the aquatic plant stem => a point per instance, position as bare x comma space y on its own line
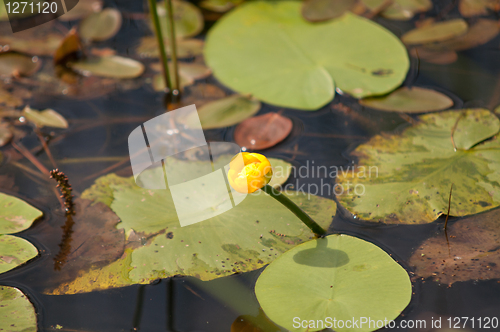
173, 43
304, 217
45, 147
161, 44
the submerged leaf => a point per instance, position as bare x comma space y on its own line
435, 32
406, 178
17, 314
13, 64
337, 276
45, 118
188, 73
263, 131
322, 10
410, 100
16, 215
101, 26
269, 51
109, 66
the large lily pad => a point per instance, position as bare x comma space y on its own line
268, 50
341, 277
472, 251
17, 314
16, 215
242, 239
410, 100
411, 173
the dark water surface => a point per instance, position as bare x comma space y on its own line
99, 128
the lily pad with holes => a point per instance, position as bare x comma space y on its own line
244, 238
13, 64
101, 26
410, 100
268, 50
339, 276
435, 32
113, 66
400, 9
188, 20
411, 173
17, 314
45, 118
226, 112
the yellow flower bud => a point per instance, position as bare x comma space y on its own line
249, 172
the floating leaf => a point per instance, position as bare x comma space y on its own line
148, 48
435, 32
437, 57
188, 20
338, 276
45, 118
13, 64
14, 251
406, 178
470, 8
478, 34
226, 112
400, 9
238, 240
188, 73
219, 6
17, 314
322, 10
15, 214
109, 66
34, 44
202, 93
263, 131
82, 9
410, 100
472, 251
269, 51
101, 26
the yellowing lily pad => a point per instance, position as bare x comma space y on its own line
109, 66
101, 26
410, 100
435, 32
188, 20
13, 64
268, 50
17, 314
45, 118
339, 276
411, 173
15, 214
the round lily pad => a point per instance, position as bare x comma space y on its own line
406, 178
13, 64
188, 20
15, 251
101, 26
268, 50
339, 276
15, 214
410, 100
263, 131
17, 314
109, 66
435, 32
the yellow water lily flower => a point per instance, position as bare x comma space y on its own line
249, 172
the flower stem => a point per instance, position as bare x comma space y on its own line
304, 217
161, 44
173, 43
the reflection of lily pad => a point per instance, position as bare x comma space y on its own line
101, 26
109, 66
238, 240
16, 311
410, 100
188, 20
338, 276
411, 173
269, 51
435, 32
472, 251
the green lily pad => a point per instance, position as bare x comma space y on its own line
188, 20
400, 9
268, 50
226, 112
322, 10
341, 277
15, 214
13, 64
45, 118
109, 66
101, 26
14, 251
410, 100
242, 239
435, 32
186, 48
412, 172
17, 314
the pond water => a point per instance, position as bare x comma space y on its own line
97, 139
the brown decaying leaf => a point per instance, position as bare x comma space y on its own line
444, 57
70, 46
263, 131
15, 65
473, 252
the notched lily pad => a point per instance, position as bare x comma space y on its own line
113, 66
406, 178
101, 26
17, 314
435, 32
13, 65
45, 118
263, 131
410, 100
337, 276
